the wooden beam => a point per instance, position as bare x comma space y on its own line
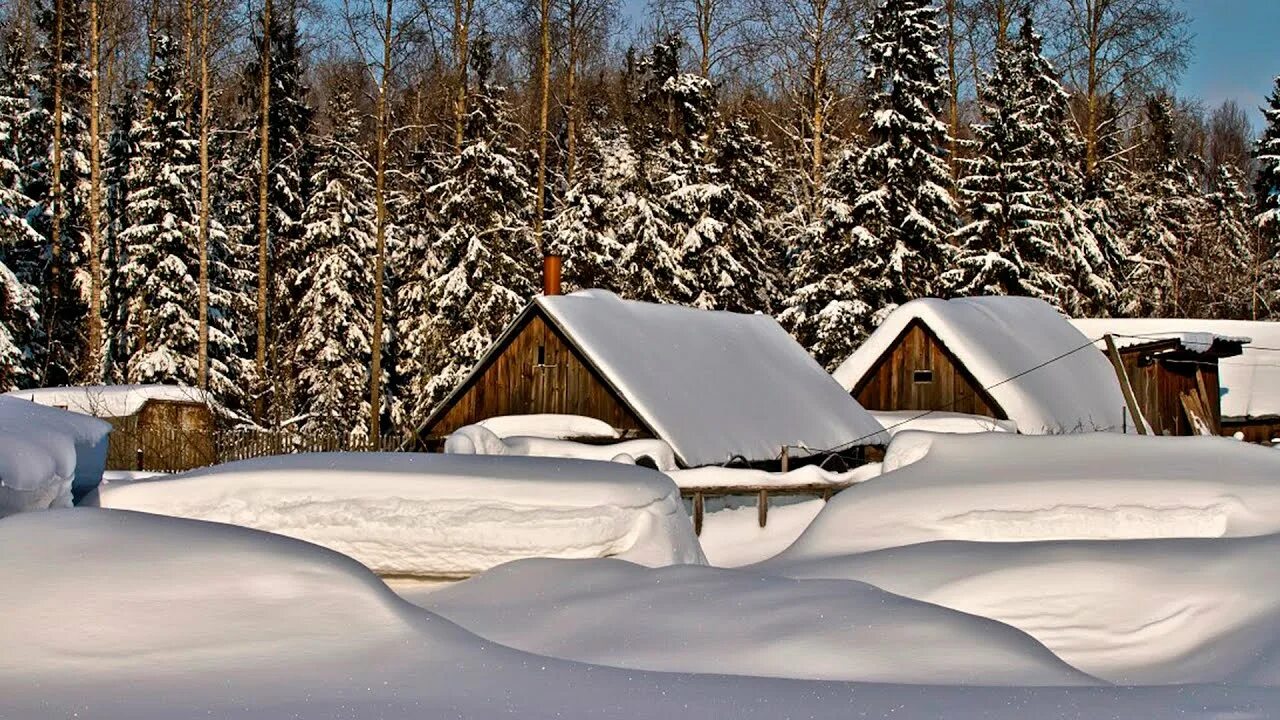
1207, 401
1126, 388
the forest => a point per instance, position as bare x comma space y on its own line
324, 211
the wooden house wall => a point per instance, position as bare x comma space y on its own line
164, 435
1255, 430
515, 383
891, 384
1158, 388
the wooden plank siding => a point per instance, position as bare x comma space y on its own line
538, 371
1255, 430
891, 384
1159, 380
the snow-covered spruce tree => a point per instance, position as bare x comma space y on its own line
159, 246
334, 317
1099, 271
887, 209
1222, 275
1266, 190
1165, 235
123, 151
583, 228
65, 278
19, 242
1008, 246
488, 264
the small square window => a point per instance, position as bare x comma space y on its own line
922, 377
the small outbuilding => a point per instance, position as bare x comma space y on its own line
1006, 358
716, 386
166, 428
1238, 361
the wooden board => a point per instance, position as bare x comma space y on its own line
892, 385
538, 371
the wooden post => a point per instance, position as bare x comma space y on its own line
697, 513
1125, 388
762, 507
1215, 423
785, 459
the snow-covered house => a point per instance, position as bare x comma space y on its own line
1007, 358
154, 427
716, 386
1247, 382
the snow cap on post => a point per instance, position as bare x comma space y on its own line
551, 274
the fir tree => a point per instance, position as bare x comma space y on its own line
1163, 239
124, 149
19, 242
487, 258
160, 251
64, 281
334, 317
1266, 190
1223, 273
1008, 246
886, 211
583, 230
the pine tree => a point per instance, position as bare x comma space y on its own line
1164, 237
124, 149
1007, 247
334, 318
160, 251
1266, 190
886, 211
487, 258
584, 228
1221, 276
18, 240
64, 281
1098, 262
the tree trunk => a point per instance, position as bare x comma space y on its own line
202, 362
92, 367
461, 30
375, 371
55, 228
953, 85
817, 86
544, 82
264, 127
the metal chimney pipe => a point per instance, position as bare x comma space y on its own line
551, 275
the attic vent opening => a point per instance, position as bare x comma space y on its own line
542, 354
922, 377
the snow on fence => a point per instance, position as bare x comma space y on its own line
698, 496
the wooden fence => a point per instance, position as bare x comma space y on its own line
762, 492
173, 449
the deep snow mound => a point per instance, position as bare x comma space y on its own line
47, 455
430, 515
1128, 611
707, 620
999, 487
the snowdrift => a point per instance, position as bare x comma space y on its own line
706, 620
47, 455
1001, 487
428, 515
1128, 611
549, 425
480, 439
127, 616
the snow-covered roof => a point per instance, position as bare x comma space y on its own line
111, 400
712, 384
1250, 382
1038, 368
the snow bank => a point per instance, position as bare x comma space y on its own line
732, 536
896, 421
171, 619
724, 621
712, 384
1127, 611
549, 425
47, 456
1250, 383
111, 400
435, 515
747, 477
1000, 340
999, 487
479, 439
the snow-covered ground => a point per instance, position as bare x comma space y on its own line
481, 440
996, 486
430, 515
175, 619
732, 536
707, 620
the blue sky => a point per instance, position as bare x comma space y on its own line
1236, 52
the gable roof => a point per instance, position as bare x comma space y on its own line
1001, 341
712, 384
112, 400
1250, 382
